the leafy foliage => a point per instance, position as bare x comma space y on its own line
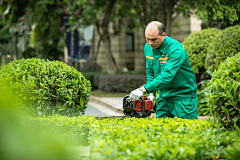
224, 97
226, 44
48, 86
215, 13
5, 35
33, 142
203, 93
90, 76
196, 45
148, 138
47, 17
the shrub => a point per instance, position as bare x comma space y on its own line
226, 44
73, 129
148, 138
91, 67
22, 141
48, 86
90, 76
119, 82
224, 97
196, 45
203, 92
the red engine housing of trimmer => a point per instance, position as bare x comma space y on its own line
140, 108
137, 105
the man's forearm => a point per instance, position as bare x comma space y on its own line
144, 90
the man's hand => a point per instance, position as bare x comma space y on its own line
152, 98
136, 94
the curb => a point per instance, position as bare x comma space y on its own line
104, 103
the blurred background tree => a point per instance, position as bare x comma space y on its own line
44, 19
214, 13
5, 38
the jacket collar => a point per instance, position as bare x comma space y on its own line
163, 48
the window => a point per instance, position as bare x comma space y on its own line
129, 42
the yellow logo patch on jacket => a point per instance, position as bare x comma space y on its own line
148, 57
164, 58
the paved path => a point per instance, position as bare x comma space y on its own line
96, 109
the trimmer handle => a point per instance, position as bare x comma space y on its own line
154, 106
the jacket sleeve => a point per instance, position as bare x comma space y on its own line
172, 66
149, 70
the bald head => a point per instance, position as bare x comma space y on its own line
156, 25
155, 34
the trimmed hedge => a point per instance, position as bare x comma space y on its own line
47, 86
91, 67
224, 97
196, 45
119, 82
90, 76
19, 140
225, 45
148, 138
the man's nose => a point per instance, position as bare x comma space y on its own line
150, 42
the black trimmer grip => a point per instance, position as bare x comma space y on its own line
143, 105
124, 100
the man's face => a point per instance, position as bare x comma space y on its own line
153, 38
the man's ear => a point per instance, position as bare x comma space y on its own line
164, 34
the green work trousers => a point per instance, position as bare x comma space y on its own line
182, 108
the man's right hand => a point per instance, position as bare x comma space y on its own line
152, 98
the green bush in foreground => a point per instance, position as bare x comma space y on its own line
224, 97
148, 138
47, 86
21, 141
196, 45
225, 45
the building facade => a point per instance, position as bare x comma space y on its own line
128, 47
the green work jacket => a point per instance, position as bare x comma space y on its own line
168, 70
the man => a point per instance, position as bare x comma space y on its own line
168, 70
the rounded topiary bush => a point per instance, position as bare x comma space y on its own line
48, 87
196, 45
226, 44
224, 97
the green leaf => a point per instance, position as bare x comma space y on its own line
236, 127
235, 119
63, 107
81, 101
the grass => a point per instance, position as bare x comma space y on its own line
99, 93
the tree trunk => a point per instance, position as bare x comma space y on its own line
169, 11
92, 52
168, 27
16, 48
112, 66
95, 54
3, 59
161, 12
111, 62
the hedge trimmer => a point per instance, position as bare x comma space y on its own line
141, 108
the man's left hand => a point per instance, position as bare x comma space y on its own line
136, 94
